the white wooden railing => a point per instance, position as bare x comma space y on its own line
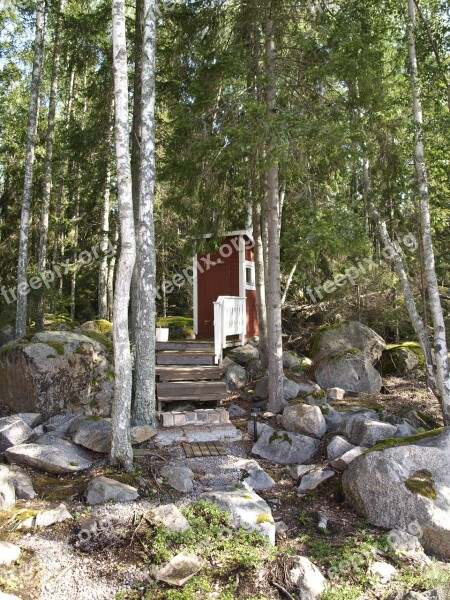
229, 319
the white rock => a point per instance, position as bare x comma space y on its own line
337, 447
7, 492
169, 516
142, 433
312, 480
13, 431
335, 393
297, 471
102, 489
180, 569
8, 553
307, 578
342, 462
305, 419
384, 571
180, 478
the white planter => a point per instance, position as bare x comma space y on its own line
162, 334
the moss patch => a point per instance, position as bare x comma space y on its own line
422, 483
394, 442
280, 437
57, 346
55, 489
100, 338
264, 518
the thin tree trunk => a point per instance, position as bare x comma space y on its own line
47, 183
260, 285
437, 316
288, 283
121, 449
111, 272
103, 268
76, 229
276, 395
136, 140
22, 284
144, 402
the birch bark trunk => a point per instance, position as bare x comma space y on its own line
273, 250
103, 268
437, 316
47, 183
144, 402
33, 110
121, 449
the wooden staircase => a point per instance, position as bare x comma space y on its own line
186, 372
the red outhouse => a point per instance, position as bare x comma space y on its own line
224, 289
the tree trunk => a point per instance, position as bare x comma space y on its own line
437, 316
273, 250
103, 269
22, 284
144, 404
288, 283
136, 140
47, 182
260, 285
111, 272
76, 230
121, 449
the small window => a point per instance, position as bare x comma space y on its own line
250, 276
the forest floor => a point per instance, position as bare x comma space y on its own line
56, 563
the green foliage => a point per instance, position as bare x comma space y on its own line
180, 328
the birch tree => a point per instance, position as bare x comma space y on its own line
144, 406
437, 316
22, 284
103, 268
275, 344
121, 449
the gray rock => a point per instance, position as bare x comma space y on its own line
404, 545
364, 432
234, 375
348, 335
285, 448
7, 492
405, 430
260, 427
92, 433
297, 471
255, 369
50, 517
335, 393
7, 335
290, 388
9, 553
142, 433
31, 419
312, 480
59, 425
302, 418
13, 431
179, 569
103, 489
306, 578
333, 418
243, 354
337, 447
247, 509
352, 372
342, 462
291, 360
402, 484
56, 371
383, 571
258, 479
399, 361
236, 412
60, 456
169, 516
309, 388
180, 478
22, 484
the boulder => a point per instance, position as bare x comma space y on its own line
103, 489
406, 546
248, 510
297, 471
345, 336
243, 354
9, 553
56, 371
46, 518
394, 486
31, 419
22, 484
234, 375
302, 418
398, 360
366, 432
258, 479
93, 433
236, 412
341, 462
180, 478
51, 455
306, 578
7, 492
290, 388
337, 447
351, 371
169, 516
285, 448
179, 569
312, 480
13, 431
142, 433
291, 360
59, 425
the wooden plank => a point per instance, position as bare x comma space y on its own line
183, 398
188, 373
212, 449
185, 358
220, 449
188, 450
204, 449
185, 346
196, 450
191, 388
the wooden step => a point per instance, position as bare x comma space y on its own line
195, 389
185, 346
216, 398
177, 357
187, 373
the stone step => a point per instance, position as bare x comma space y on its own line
188, 373
167, 436
179, 357
200, 417
185, 346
